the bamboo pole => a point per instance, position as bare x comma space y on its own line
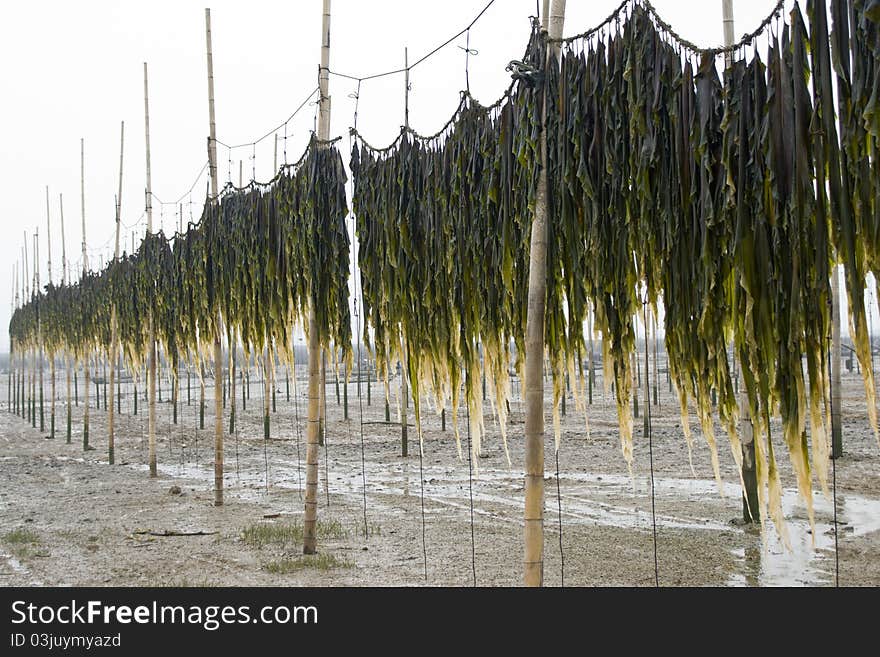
52, 350
13, 378
218, 346
85, 265
534, 369
39, 323
68, 360
114, 329
12, 352
233, 348
751, 508
310, 518
28, 394
151, 333
591, 378
836, 398
656, 366
267, 383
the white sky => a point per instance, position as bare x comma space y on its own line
75, 69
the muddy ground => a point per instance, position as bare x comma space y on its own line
67, 517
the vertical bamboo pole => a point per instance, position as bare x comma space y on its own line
591, 378
13, 381
836, 399
656, 366
313, 430
39, 323
85, 265
151, 333
25, 381
534, 370
52, 348
28, 363
114, 329
218, 347
68, 360
404, 438
267, 383
751, 508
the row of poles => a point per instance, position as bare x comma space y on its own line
552, 22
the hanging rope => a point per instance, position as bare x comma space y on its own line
468, 51
357, 321
419, 61
276, 128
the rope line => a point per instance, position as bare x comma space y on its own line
420, 60
747, 38
357, 320
275, 129
660, 24
187, 192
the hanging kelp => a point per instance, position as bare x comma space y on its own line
443, 227
257, 258
855, 48
668, 183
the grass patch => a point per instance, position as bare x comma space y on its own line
262, 534
23, 543
187, 583
21, 537
287, 565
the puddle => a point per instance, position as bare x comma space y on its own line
587, 499
803, 565
15, 564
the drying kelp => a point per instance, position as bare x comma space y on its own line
721, 195
255, 261
443, 226
855, 49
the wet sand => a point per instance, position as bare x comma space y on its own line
96, 524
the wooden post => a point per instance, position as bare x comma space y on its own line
151, 332
751, 508
39, 323
590, 379
52, 349
533, 561
310, 518
13, 379
404, 439
836, 398
85, 265
322, 422
218, 347
114, 337
232, 349
656, 367
637, 380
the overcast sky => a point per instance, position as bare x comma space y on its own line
74, 70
